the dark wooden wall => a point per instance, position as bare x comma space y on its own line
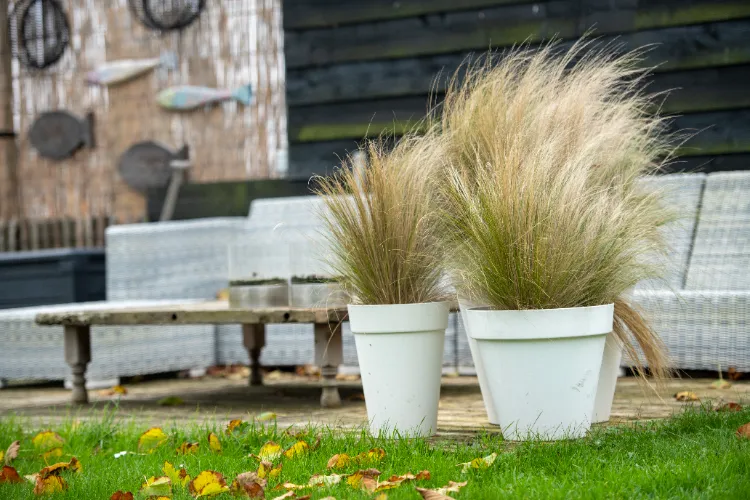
356, 68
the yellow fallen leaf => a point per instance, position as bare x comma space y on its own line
53, 453
382, 496
441, 493
157, 487
478, 463
318, 480
116, 390
171, 401
236, 424
177, 477
56, 469
374, 455
9, 475
208, 483
297, 449
269, 452
214, 443
50, 484
266, 469
12, 452
2, 455
265, 416
187, 448
686, 396
339, 461
356, 480
47, 441
151, 439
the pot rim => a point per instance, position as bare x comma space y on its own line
398, 318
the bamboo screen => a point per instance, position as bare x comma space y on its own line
233, 43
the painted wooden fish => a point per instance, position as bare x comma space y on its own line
116, 72
187, 97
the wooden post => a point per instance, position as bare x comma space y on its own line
329, 354
254, 338
10, 197
78, 355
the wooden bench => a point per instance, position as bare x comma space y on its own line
77, 324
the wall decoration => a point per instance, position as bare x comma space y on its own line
167, 15
188, 97
59, 134
147, 165
39, 32
116, 72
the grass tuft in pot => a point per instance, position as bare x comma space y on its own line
382, 239
541, 204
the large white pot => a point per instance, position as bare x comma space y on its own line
400, 353
542, 367
478, 366
610, 370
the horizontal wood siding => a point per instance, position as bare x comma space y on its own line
356, 69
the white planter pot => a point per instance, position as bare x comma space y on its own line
610, 370
542, 367
400, 353
478, 366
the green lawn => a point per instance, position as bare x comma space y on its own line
694, 455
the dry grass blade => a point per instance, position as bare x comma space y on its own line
540, 201
378, 225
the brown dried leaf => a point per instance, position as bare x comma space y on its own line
12, 452
236, 424
50, 484
744, 431
731, 406
9, 475
187, 448
441, 493
248, 485
121, 495
357, 479
56, 469
733, 374
288, 494
686, 396
339, 461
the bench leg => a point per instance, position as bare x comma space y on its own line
254, 338
78, 355
329, 354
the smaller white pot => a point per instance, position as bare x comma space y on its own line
481, 374
542, 367
400, 353
610, 370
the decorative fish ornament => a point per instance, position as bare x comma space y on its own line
116, 72
187, 97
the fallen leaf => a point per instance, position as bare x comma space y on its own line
56, 469
214, 443
49, 444
50, 484
318, 480
733, 374
357, 479
288, 494
292, 486
721, 384
347, 378
441, 493
178, 477
269, 451
157, 487
247, 490
744, 431
235, 425
478, 463
265, 416
382, 496
274, 375
328, 498
117, 390
374, 455
12, 452
425, 474
171, 401
208, 483
121, 495
266, 469
9, 475
222, 294
686, 396
250, 478
731, 406
339, 461
307, 371
151, 439
297, 449
187, 448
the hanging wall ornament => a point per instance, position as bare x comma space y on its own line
167, 15
58, 134
147, 165
39, 32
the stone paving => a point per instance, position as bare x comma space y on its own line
295, 400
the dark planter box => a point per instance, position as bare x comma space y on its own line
45, 277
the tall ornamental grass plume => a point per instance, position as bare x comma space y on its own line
379, 226
539, 198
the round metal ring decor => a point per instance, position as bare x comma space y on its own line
167, 15
39, 32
